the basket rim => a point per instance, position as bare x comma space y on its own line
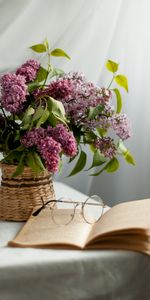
11, 168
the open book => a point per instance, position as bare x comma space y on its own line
125, 226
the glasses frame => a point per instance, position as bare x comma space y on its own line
75, 205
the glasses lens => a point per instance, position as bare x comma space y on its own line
64, 214
93, 209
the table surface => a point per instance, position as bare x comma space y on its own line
41, 274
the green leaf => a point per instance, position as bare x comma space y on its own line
27, 118
8, 140
129, 158
56, 72
102, 132
12, 155
38, 161
20, 148
42, 74
20, 167
110, 167
59, 52
60, 165
126, 153
56, 107
40, 48
112, 66
94, 111
98, 159
113, 165
122, 81
99, 172
89, 137
46, 44
32, 86
60, 119
27, 125
29, 112
73, 157
92, 148
77, 133
52, 119
43, 118
79, 165
32, 162
38, 113
122, 148
119, 100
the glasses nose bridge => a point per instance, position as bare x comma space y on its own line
76, 205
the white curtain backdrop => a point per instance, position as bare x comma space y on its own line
92, 31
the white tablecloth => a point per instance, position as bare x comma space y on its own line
36, 274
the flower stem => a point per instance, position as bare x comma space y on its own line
111, 81
48, 69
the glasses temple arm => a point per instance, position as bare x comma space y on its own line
43, 206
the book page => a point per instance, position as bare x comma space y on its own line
137, 243
42, 231
133, 216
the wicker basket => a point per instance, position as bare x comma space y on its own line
19, 195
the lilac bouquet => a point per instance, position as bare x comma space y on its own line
46, 113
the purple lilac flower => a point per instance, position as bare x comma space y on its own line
60, 134
121, 124
49, 150
33, 137
106, 94
66, 138
107, 146
60, 89
101, 122
13, 92
29, 69
76, 94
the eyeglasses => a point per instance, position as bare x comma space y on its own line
91, 209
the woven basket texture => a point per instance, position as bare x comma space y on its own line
19, 195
